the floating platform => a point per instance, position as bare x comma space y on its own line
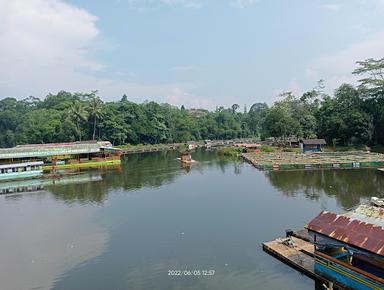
289, 160
298, 254
88, 164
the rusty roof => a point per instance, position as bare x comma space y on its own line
350, 229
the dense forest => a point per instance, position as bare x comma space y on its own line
353, 115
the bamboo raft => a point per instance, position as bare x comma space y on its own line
289, 160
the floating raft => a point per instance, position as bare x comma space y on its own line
289, 160
298, 254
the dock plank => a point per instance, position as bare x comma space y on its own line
299, 256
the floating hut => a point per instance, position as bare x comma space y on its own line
349, 248
29, 160
344, 251
311, 145
186, 157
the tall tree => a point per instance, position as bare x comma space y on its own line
235, 107
96, 111
373, 70
79, 114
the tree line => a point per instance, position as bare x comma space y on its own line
353, 115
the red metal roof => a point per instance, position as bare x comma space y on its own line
369, 237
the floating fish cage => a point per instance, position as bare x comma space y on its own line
291, 161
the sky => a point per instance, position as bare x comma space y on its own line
197, 53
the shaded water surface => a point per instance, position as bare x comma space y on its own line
125, 229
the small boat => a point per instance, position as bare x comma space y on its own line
21, 170
377, 201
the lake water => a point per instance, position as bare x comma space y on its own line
128, 228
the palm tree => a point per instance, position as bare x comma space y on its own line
234, 108
95, 111
79, 114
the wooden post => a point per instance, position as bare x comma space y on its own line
54, 165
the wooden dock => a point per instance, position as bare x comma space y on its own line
298, 254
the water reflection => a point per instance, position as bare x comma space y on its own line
347, 186
150, 170
153, 170
123, 229
41, 239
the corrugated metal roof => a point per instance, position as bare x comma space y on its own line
353, 228
63, 144
45, 150
314, 142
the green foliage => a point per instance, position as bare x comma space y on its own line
267, 149
353, 116
373, 72
231, 151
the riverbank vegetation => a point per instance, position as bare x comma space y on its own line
353, 115
231, 151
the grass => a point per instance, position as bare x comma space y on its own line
268, 148
345, 148
236, 151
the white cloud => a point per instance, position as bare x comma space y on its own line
141, 4
42, 41
179, 97
331, 7
183, 3
45, 47
374, 5
242, 3
183, 68
337, 68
